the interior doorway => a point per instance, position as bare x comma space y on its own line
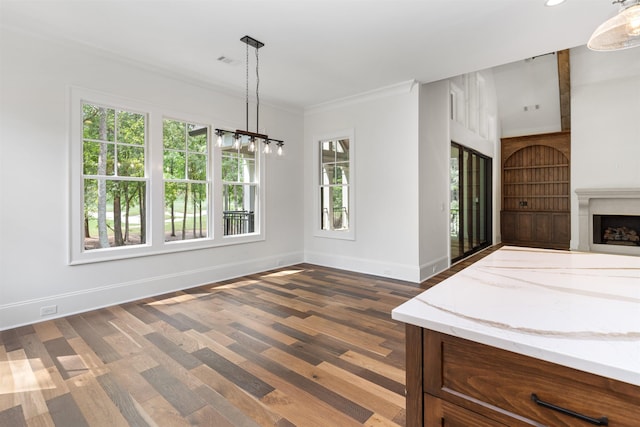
470, 201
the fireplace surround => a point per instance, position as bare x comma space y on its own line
614, 212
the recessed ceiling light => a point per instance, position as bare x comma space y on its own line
553, 2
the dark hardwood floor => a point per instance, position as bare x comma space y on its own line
302, 345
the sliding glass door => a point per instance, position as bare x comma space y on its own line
470, 201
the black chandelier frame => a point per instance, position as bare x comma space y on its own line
254, 137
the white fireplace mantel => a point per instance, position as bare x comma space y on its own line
605, 201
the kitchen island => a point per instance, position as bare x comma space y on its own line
527, 337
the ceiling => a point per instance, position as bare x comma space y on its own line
315, 50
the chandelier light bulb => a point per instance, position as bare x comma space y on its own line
267, 148
633, 24
252, 144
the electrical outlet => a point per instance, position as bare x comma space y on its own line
48, 310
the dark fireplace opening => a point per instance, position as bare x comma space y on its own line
616, 229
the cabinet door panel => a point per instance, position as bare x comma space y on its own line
560, 228
441, 413
542, 227
508, 226
524, 229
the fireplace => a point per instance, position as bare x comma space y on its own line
609, 220
616, 230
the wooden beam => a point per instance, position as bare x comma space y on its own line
564, 81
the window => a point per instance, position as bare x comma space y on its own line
186, 183
239, 187
144, 182
335, 186
114, 183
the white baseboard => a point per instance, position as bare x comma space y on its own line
28, 312
433, 267
404, 272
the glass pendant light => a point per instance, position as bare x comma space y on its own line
620, 32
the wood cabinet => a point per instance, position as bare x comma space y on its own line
536, 190
537, 229
463, 383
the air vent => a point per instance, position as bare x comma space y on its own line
227, 60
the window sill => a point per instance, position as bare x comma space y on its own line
129, 252
333, 234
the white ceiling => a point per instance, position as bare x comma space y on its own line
315, 50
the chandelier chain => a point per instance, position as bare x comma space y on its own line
247, 85
257, 90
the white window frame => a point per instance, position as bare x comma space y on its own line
155, 243
348, 234
210, 153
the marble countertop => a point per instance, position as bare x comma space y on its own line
576, 309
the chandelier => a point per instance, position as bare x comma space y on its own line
256, 138
620, 32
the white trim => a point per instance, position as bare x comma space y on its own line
434, 267
383, 92
28, 312
350, 233
406, 272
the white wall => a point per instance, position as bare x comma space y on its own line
605, 123
385, 126
435, 154
35, 83
528, 83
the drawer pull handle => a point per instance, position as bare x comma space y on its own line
602, 421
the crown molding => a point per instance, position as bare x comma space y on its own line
383, 92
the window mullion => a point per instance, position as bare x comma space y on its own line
155, 195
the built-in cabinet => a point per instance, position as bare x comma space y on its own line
536, 190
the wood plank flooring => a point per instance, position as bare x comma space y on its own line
298, 346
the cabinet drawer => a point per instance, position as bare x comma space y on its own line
499, 384
441, 413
